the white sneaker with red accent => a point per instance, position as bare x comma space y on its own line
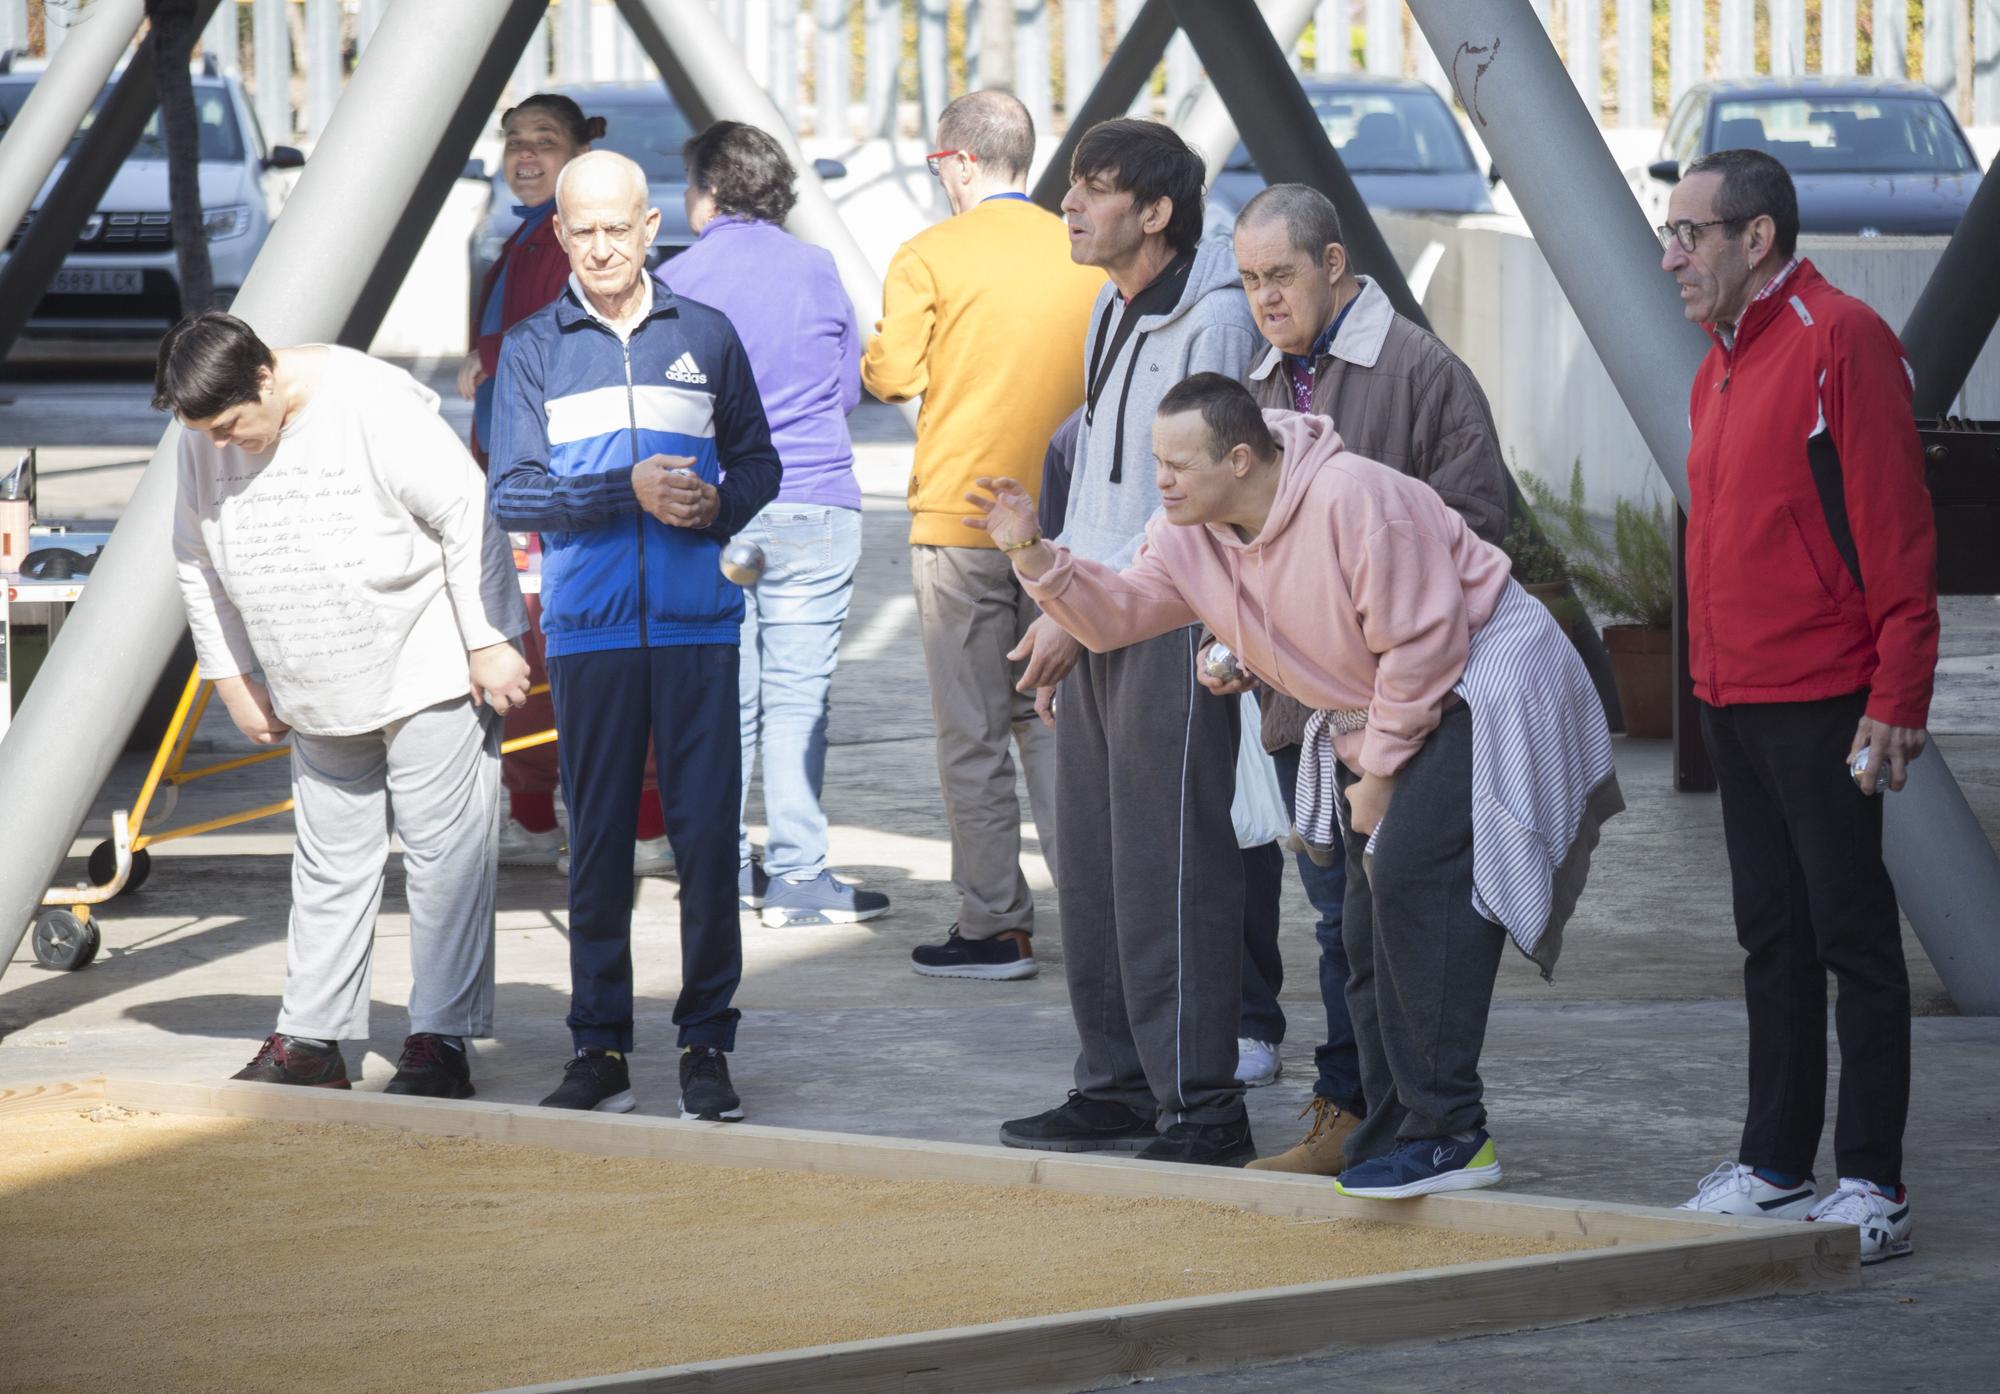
1735, 1189
1883, 1219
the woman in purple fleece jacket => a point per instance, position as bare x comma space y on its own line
798, 327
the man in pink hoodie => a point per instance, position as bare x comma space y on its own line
1439, 688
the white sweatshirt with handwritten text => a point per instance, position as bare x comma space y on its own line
354, 563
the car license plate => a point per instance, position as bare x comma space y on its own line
95, 282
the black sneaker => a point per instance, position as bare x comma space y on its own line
1005, 956
287, 1060
595, 1080
1082, 1125
706, 1093
1204, 1144
430, 1068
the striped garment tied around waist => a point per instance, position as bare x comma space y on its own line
1540, 749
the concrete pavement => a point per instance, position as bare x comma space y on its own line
1621, 1081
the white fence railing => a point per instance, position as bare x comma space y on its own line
805, 51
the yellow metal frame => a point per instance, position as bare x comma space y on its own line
169, 771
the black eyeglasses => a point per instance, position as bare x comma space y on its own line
1687, 232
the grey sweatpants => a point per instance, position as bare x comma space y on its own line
1152, 881
432, 779
972, 611
1421, 961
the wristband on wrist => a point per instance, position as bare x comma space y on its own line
1018, 546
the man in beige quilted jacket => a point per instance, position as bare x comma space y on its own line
1398, 395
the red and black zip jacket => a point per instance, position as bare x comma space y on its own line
1812, 553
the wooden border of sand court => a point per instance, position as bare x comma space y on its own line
1644, 1259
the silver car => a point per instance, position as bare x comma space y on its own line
119, 289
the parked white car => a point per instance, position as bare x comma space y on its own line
118, 290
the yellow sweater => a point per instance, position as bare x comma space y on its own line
983, 317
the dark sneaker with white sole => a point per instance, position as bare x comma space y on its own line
1082, 1125
817, 900
1422, 1166
595, 1080
751, 886
1204, 1144
706, 1094
431, 1068
288, 1060
1003, 958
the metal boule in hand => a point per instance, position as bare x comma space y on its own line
743, 562
1219, 663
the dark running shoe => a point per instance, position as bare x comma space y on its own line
1082, 1125
594, 1080
1420, 1166
1204, 1144
706, 1093
431, 1069
1005, 956
286, 1060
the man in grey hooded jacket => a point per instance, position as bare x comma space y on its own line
1152, 883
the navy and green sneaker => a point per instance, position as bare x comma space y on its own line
1419, 1166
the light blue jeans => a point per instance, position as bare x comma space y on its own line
791, 640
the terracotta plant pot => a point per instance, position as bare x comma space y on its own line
1642, 661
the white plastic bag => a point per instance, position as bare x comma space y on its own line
1258, 810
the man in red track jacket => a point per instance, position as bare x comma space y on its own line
1813, 628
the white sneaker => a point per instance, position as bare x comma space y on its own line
1884, 1220
653, 858
519, 847
1257, 1062
1735, 1189
649, 858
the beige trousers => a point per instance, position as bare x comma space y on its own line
972, 610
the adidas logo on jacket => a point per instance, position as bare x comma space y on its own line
575, 409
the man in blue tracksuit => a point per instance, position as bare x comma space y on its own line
629, 433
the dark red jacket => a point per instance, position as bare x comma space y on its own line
1812, 554
537, 271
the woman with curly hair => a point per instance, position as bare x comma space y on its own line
798, 326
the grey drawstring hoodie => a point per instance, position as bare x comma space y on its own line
1209, 330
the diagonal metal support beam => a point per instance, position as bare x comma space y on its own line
386, 277
1590, 228
59, 102
710, 82
1125, 75
1283, 132
1961, 302
363, 175
99, 155
1208, 126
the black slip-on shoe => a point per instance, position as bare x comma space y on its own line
1082, 1125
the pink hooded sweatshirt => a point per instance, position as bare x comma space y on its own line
1363, 590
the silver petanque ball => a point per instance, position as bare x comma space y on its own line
743, 562
1219, 663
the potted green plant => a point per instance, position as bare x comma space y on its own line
1628, 579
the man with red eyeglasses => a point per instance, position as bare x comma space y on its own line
983, 316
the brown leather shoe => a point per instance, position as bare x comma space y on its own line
283, 1060
1323, 1152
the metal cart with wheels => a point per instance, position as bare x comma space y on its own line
65, 932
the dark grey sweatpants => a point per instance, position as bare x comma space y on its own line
1152, 881
1421, 961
